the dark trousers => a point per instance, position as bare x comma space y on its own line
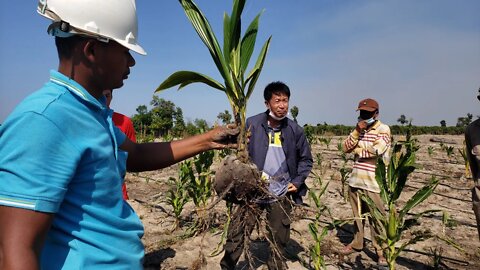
476, 204
242, 225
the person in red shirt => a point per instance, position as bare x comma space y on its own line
124, 123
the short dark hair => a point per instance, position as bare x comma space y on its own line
65, 45
275, 88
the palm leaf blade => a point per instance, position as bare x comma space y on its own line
184, 78
248, 43
255, 73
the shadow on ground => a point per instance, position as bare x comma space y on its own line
154, 259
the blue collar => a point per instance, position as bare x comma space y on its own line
76, 89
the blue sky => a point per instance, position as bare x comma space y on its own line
417, 58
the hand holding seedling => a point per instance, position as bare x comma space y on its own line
224, 136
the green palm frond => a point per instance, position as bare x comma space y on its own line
184, 78
419, 197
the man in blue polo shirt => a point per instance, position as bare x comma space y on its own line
60, 205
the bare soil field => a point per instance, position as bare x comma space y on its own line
166, 248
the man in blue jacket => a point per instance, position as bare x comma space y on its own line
280, 150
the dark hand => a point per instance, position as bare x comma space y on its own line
361, 126
225, 136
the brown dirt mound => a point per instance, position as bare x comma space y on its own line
236, 181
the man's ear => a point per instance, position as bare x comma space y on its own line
89, 49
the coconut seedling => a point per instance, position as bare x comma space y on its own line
315, 229
344, 170
466, 162
232, 62
177, 196
394, 223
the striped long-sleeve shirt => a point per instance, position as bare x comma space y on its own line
367, 146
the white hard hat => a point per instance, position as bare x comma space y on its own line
103, 19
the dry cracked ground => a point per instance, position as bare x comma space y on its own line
166, 248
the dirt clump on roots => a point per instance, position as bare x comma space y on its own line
236, 181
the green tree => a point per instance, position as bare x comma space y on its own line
162, 116
443, 123
179, 123
402, 120
464, 121
142, 120
294, 112
225, 117
201, 125
191, 129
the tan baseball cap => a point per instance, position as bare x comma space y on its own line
368, 104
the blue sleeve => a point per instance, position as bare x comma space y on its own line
119, 135
122, 156
37, 163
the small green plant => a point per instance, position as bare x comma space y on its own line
463, 153
449, 150
198, 177
343, 155
319, 159
437, 257
344, 175
316, 230
177, 197
430, 151
326, 141
310, 134
447, 221
200, 181
344, 170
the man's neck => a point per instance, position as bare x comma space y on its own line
79, 76
273, 123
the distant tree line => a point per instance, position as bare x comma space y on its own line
405, 123
165, 120
343, 130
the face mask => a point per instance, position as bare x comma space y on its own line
273, 116
370, 121
276, 118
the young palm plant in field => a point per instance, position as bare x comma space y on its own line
344, 170
463, 153
315, 228
391, 181
231, 62
177, 196
200, 180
